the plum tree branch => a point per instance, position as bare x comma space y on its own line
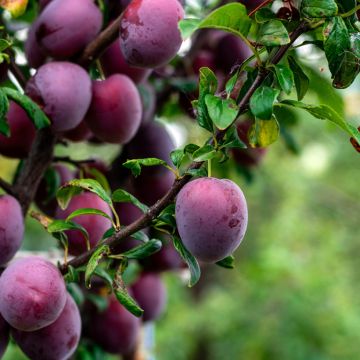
114, 241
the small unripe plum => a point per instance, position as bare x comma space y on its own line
113, 62
149, 33
47, 202
150, 293
34, 54
32, 294
22, 133
231, 51
211, 216
65, 27
63, 90
80, 133
116, 330
4, 335
95, 225
54, 342
11, 226
115, 111
251, 156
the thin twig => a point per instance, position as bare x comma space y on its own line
8, 188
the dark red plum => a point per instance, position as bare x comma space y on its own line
80, 133
150, 293
249, 157
34, 54
211, 217
116, 330
46, 201
113, 62
11, 228
203, 58
95, 225
63, 90
65, 27
231, 51
4, 335
149, 33
32, 294
115, 111
22, 135
56, 341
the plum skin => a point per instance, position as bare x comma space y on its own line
11, 228
63, 90
95, 225
211, 217
116, 109
56, 341
32, 295
149, 34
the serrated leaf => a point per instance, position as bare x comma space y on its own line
264, 132
273, 33
262, 102
34, 112
4, 108
135, 164
121, 195
176, 157
190, 260
300, 78
285, 78
324, 112
188, 26
15, 7
88, 211
145, 250
207, 152
74, 187
93, 263
222, 112
318, 8
227, 263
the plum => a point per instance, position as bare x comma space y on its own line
115, 111
149, 33
65, 27
32, 294
113, 62
45, 200
79, 133
43, 3
63, 90
4, 335
150, 293
11, 228
34, 54
54, 342
203, 58
116, 330
22, 133
95, 225
211, 217
249, 157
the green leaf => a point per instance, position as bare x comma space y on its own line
300, 78
88, 211
263, 15
176, 157
188, 26
144, 250
101, 302
4, 44
53, 182
34, 112
348, 71
74, 187
273, 33
93, 263
222, 112
202, 172
108, 233
128, 302
140, 236
191, 148
76, 293
262, 102
318, 8
135, 164
232, 140
227, 263
264, 132
121, 195
324, 112
4, 107
285, 78
72, 275
99, 177
190, 260
207, 152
